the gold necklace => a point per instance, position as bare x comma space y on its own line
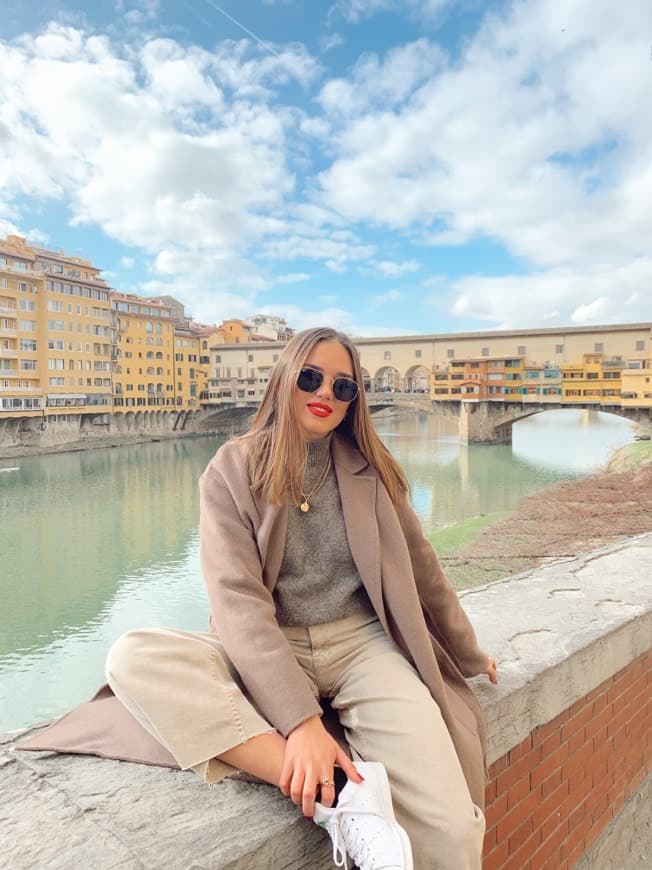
304, 506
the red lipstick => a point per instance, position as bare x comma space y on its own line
319, 410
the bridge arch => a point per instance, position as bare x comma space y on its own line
386, 379
417, 379
491, 422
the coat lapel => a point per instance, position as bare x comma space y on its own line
357, 484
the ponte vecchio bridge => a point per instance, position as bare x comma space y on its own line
485, 381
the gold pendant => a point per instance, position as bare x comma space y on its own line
305, 507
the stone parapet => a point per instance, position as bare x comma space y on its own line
570, 740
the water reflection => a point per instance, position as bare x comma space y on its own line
99, 542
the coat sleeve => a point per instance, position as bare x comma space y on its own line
242, 608
439, 600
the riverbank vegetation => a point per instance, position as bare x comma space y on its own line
561, 521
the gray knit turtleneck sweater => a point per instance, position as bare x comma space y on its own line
318, 581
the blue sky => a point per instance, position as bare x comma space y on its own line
384, 166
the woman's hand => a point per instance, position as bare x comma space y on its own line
491, 670
310, 756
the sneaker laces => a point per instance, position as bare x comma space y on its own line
347, 839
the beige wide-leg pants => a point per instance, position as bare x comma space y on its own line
182, 688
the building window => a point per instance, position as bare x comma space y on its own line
387, 354
640, 345
520, 350
598, 347
250, 357
450, 353
559, 348
485, 351
275, 357
417, 354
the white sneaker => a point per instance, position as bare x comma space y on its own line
363, 827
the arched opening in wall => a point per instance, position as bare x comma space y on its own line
386, 380
366, 380
130, 421
417, 380
570, 441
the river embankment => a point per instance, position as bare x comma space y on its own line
561, 521
96, 442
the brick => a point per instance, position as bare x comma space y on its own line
619, 719
576, 835
516, 771
578, 721
549, 764
600, 703
496, 859
496, 812
539, 734
578, 763
499, 765
549, 850
576, 741
550, 806
599, 720
601, 822
515, 817
551, 743
490, 792
601, 805
490, 841
550, 784
578, 795
522, 749
577, 816
575, 708
520, 858
518, 791
520, 835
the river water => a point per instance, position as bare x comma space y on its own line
97, 542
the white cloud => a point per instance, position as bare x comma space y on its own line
384, 298
292, 278
593, 312
336, 253
385, 82
392, 269
534, 138
127, 262
597, 294
331, 41
130, 155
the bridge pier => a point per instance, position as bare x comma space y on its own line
478, 425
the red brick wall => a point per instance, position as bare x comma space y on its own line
550, 797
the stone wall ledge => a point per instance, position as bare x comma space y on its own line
562, 634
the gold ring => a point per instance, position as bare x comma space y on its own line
328, 783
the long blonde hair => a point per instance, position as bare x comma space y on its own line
276, 454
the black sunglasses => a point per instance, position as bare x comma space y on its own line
310, 380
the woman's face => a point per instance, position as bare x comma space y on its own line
320, 412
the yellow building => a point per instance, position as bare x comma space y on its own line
636, 385
236, 331
190, 377
21, 298
61, 329
143, 355
595, 379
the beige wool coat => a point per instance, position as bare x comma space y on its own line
242, 545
